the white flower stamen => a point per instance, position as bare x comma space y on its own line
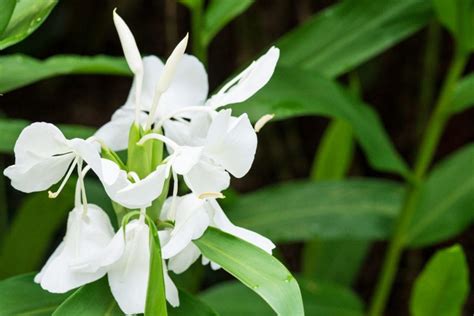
53, 195
159, 137
211, 195
262, 121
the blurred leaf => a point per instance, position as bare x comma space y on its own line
34, 227
442, 288
293, 92
20, 70
27, 16
464, 94
458, 17
335, 261
294, 211
219, 13
256, 269
234, 299
6, 11
351, 32
21, 296
190, 305
447, 202
335, 151
91, 299
192, 4
10, 129
155, 295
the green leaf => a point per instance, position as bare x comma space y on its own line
442, 288
20, 70
335, 261
320, 299
255, 268
335, 151
447, 202
350, 33
190, 305
219, 13
34, 227
293, 92
91, 299
10, 129
21, 296
463, 97
155, 295
295, 211
458, 17
6, 11
27, 17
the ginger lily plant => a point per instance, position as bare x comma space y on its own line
170, 129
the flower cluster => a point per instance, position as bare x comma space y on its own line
171, 131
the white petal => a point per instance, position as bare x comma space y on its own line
186, 158
171, 64
252, 79
232, 142
189, 86
130, 49
221, 221
128, 277
89, 152
206, 177
171, 291
115, 133
183, 260
42, 154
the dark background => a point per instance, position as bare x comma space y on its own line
390, 82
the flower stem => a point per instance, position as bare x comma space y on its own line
424, 158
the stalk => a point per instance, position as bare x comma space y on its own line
424, 158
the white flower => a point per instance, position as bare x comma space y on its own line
128, 277
191, 218
84, 254
43, 156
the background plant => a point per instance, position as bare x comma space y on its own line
328, 65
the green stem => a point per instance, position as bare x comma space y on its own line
428, 146
199, 49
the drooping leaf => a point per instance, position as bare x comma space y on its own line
320, 299
351, 32
458, 17
91, 299
442, 287
19, 295
6, 11
219, 13
10, 129
293, 92
155, 295
20, 70
295, 211
258, 270
34, 227
447, 202
191, 305
27, 16
463, 97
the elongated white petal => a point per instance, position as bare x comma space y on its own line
115, 133
207, 177
232, 142
171, 65
130, 49
128, 277
86, 238
252, 79
42, 154
186, 158
171, 291
183, 260
221, 221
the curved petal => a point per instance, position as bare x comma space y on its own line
232, 142
183, 260
128, 277
89, 152
206, 177
252, 79
189, 86
171, 291
115, 133
130, 49
186, 158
